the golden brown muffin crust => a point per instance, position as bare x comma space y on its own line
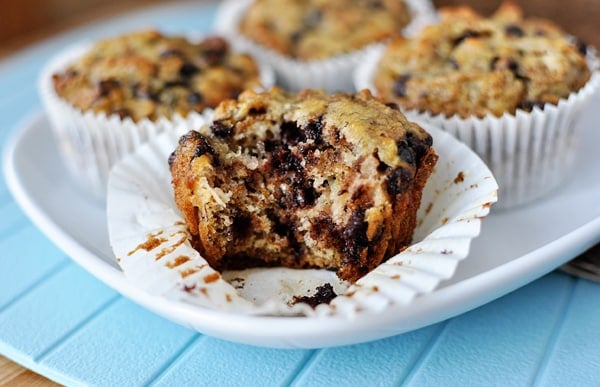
472, 66
148, 75
318, 29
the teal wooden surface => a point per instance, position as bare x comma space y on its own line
62, 322
26, 257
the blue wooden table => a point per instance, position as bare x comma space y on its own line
60, 321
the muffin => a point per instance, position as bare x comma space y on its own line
468, 65
302, 180
315, 43
511, 88
312, 30
105, 99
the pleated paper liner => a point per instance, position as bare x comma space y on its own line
142, 213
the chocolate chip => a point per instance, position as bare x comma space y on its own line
354, 235
296, 36
177, 83
220, 129
466, 35
171, 159
494, 62
529, 105
203, 146
188, 69
257, 111
305, 194
284, 161
214, 50
514, 31
419, 145
324, 295
405, 152
242, 225
107, 85
270, 145
399, 86
314, 130
512, 65
279, 226
393, 105
453, 63
375, 4
581, 46
195, 98
382, 167
398, 180
291, 134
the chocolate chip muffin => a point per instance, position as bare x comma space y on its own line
302, 180
316, 29
468, 65
148, 75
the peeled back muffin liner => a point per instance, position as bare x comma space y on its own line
91, 143
529, 153
151, 243
332, 74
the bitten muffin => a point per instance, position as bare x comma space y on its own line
317, 29
468, 65
149, 75
302, 180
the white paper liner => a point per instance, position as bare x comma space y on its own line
529, 153
89, 143
150, 242
333, 74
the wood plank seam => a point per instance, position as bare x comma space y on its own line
60, 266
173, 360
428, 348
92, 316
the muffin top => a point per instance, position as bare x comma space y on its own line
318, 29
361, 121
468, 65
148, 75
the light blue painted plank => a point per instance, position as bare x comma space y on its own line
12, 218
50, 311
574, 360
214, 362
25, 258
378, 363
125, 345
501, 343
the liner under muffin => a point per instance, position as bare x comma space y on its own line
91, 143
333, 74
141, 209
529, 153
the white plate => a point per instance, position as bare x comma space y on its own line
514, 248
